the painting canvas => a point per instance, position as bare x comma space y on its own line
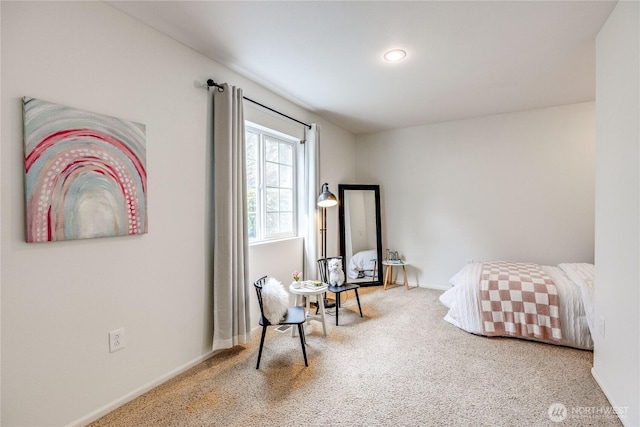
85, 174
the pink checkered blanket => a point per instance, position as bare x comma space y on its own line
518, 299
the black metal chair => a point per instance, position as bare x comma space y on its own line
323, 269
294, 316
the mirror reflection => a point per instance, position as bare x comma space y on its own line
360, 237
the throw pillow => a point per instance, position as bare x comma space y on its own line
275, 301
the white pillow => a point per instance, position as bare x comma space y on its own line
275, 301
462, 276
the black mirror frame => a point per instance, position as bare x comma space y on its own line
376, 188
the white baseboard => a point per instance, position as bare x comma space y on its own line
623, 419
140, 391
436, 287
415, 285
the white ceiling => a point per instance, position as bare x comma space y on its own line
465, 59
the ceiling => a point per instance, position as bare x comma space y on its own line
465, 59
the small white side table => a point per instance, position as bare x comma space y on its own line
388, 272
308, 292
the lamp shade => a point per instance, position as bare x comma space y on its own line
326, 198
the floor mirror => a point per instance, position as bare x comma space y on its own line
360, 233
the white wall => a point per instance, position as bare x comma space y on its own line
288, 258
516, 186
59, 300
617, 298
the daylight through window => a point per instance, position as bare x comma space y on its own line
271, 183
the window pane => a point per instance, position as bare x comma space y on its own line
286, 201
252, 173
273, 203
271, 174
251, 141
286, 176
253, 231
286, 153
271, 180
286, 222
270, 149
252, 200
272, 223
252, 159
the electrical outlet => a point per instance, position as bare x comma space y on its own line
469, 260
117, 340
601, 326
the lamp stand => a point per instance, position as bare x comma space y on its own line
325, 199
328, 303
323, 234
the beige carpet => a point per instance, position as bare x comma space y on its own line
400, 365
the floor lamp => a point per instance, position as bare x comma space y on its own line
325, 200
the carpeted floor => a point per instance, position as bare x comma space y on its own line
400, 365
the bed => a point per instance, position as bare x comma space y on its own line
362, 264
470, 306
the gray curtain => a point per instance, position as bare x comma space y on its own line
231, 283
309, 206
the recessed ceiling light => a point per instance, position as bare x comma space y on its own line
395, 55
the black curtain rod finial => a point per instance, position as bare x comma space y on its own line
210, 83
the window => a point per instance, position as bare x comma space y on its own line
271, 183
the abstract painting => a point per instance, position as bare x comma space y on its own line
85, 174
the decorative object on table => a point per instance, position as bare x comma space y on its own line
296, 279
85, 174
336, 275
325, 200
275, 300
312, 284
393, 256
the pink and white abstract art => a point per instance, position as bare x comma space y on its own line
85, 174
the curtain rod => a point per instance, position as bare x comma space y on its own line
210, 83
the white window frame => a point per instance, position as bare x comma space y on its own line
261, 209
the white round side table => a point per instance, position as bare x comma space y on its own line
388, 272
310, 290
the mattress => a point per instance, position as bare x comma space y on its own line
574, 282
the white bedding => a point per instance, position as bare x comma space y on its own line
362, 264
573, 281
